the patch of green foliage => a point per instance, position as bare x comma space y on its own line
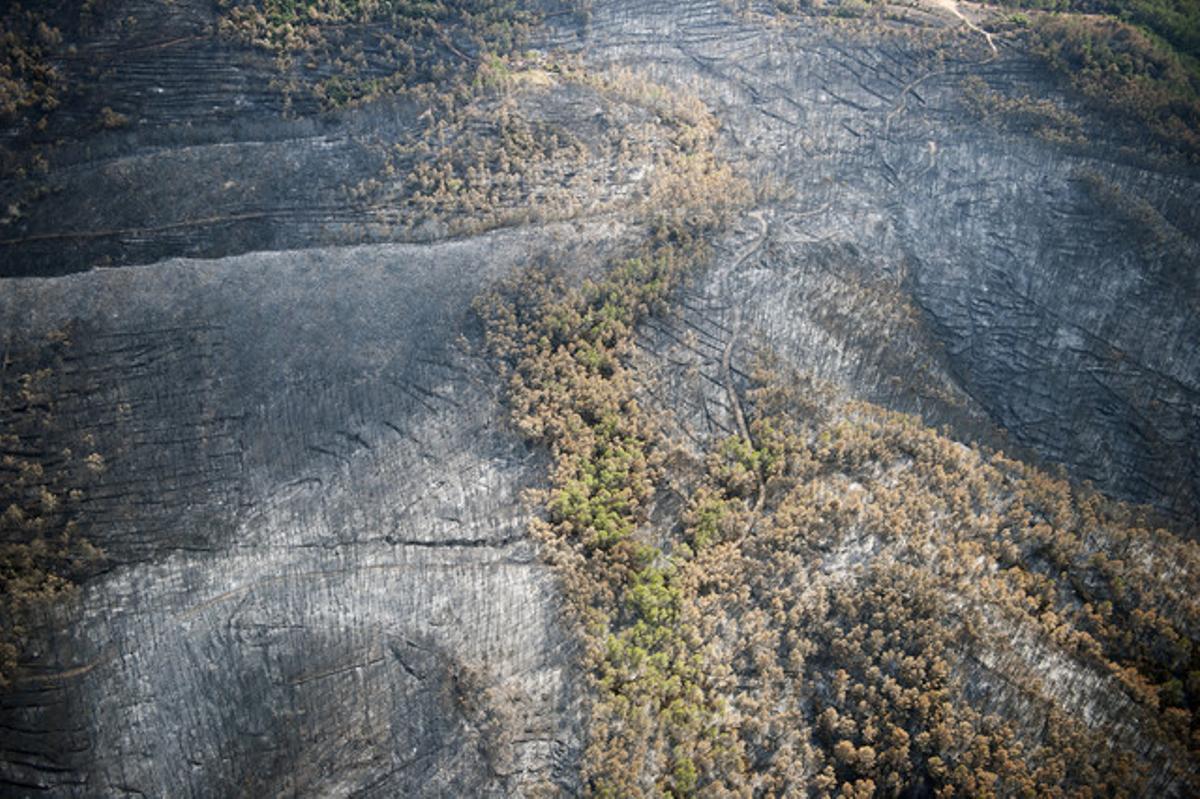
566, 351
1122, 68
1139, 58
1176, 22
571, 390
804, 626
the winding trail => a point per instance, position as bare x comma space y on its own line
951, 6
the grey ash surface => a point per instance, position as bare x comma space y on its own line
319, 580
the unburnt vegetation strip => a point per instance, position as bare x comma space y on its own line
822, 615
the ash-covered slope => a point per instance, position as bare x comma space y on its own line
1055, 311
317, 574
317, 577
1057, 281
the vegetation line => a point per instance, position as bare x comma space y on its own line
809, 621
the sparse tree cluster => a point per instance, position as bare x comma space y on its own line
42, 549
346, 52
657, 725
849, 603
28, 78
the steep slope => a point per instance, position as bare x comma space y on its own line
318, 574
316, 569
